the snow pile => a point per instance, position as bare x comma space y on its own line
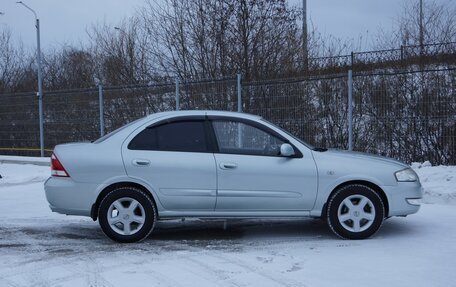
25, 159
439, 182
20, 174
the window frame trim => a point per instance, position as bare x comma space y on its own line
211, 138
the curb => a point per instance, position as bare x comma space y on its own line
25, 160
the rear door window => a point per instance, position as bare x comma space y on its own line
184, 136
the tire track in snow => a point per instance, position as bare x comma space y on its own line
218, 273
150, 272
278, 279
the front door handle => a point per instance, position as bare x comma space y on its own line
227, 165
141, 162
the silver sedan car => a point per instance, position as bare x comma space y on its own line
210, 164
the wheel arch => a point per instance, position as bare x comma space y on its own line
109, 188
369, 184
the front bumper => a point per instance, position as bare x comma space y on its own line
69, 197
402, 198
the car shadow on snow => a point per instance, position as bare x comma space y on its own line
237, 234
396, 228
64, 238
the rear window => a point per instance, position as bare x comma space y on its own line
105, 137
185, 136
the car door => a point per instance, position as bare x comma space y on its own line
174, 159
252, 176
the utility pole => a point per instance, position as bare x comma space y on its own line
421, 28
304, 35
40, 81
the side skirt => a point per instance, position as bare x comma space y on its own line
233, 214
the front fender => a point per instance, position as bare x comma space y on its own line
328, 185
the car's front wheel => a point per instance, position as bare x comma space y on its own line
127, 215
355, 212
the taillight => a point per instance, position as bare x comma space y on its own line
57, 168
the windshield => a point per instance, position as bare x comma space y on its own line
291, 135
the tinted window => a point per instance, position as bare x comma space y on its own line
186, 136
241, 138
145, 140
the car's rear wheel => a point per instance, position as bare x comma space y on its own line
355, 212
127, 215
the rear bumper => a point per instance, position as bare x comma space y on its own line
69, 197
399, 196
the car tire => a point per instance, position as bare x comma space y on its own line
127, 215
355, 212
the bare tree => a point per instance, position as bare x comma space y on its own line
439, 25
121, 53
218, 38
68, 67
12, 61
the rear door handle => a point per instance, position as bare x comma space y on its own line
141, 162
227, 165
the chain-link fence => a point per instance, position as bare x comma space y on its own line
404, 105
409, 116
19, 126
314, 109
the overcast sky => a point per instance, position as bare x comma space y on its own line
65, 21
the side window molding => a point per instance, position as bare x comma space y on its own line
177, 119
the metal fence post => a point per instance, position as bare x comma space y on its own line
350, 110
177, 94
239, 93
41, 121
239, 109
100, 96
40, 87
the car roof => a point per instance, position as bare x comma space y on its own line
170, 114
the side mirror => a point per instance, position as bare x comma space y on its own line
286, 150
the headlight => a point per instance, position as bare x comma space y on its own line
406, 175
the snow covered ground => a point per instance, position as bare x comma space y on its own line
40, 248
